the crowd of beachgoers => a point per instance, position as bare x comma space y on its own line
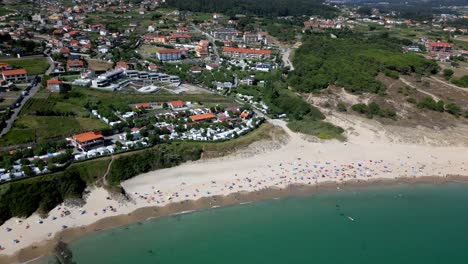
298, 162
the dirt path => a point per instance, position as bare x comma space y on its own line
448, 84
419, 90
104, 178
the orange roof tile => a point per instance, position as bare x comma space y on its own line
144, 105
202, 117
178, 103
87, 136
14, 72
54, 81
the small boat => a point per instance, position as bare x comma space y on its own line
350, 218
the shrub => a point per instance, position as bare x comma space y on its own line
453, 109
447, 74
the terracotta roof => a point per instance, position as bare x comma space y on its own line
87, 136
439, 44
178, 103
178, 35
54, 81
244, 115
14, 72
142, 106
167, 51
243, 50
74, 63
202, 117
121, 64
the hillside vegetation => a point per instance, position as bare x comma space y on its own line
352, 60
257, 7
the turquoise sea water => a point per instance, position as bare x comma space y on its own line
400, 224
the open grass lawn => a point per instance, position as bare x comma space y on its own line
33, 66
6, 102
28, 128
131, 98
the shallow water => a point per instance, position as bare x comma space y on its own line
401, 224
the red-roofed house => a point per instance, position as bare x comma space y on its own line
65, 51
180, 37
121, 65
75, 65
176, 104
54, 85
203, 117
246, 53
16, 76
439, 46
142, 106
88, 140
153, 67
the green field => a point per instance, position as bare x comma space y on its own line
33, 66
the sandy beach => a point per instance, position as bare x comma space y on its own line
365, 158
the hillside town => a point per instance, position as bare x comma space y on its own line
143, 48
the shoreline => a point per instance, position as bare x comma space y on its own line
45, 248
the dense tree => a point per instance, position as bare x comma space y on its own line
352, 60
258, 7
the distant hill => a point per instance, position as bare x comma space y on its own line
421, 3
256, 7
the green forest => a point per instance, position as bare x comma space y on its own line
258, 7
352, 60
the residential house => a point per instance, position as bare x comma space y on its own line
54, 85
15, 76
226, 34
121, 65
180, 38
75, 65
143, 106
168, 54
439, 46
202, 49
176, 104
88, 140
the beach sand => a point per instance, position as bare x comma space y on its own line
298, 166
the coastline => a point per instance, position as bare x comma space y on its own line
45, 248
299, 166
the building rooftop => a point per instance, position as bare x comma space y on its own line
87, 136
14, 72
202, 117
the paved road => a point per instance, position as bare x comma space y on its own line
211, 40
16, 111
51, 65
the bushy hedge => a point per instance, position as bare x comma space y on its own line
22, 198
